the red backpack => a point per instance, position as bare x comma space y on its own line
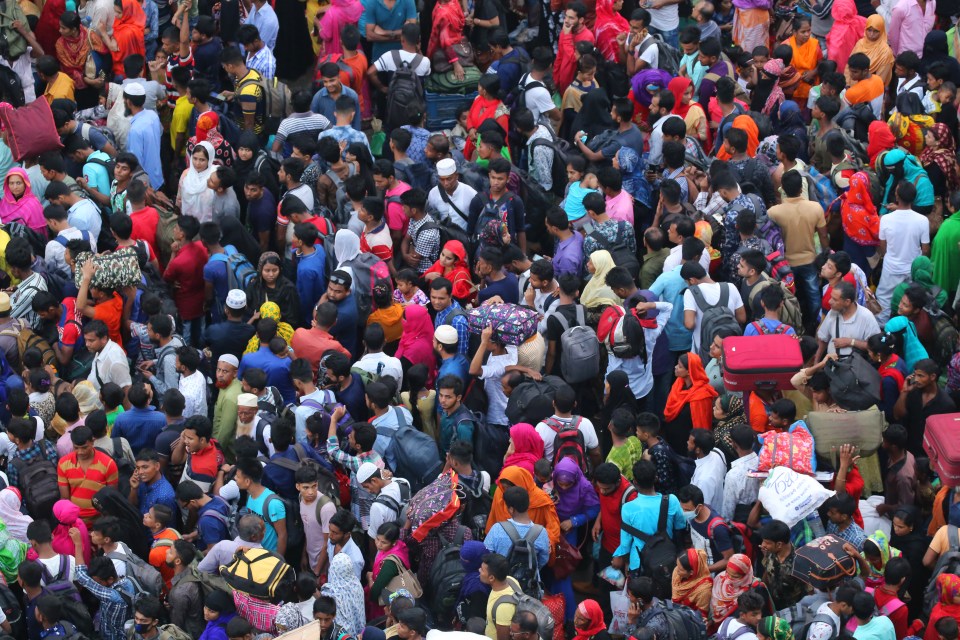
568, 441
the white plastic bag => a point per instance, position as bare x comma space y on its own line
873, 521
790, 497
619, 605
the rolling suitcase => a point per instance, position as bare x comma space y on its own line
942, 444
760, 362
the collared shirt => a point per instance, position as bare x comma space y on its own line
461, 197
459, 323
426, 243
257, 612
263, 62
710, 205
568, 257
194, 390
82, 483
185, 600
265, 20
860, 326
325, 105
110, 365
143, 141
39, 448
56, 248
853, 534
708, 476
114, 607
22, 298
85, 216
910, 25
160, 492
738, 487
140, 426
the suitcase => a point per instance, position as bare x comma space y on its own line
823, 563
760, 362
941, 441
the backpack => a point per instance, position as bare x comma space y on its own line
209, 582
568, 442
109, 165
124, 468
145, 578
27, 339
558, 171
60, 584
258, 572
400, 508
820, 188
723, 631
715, 317
659, 553
621, 332
38, 479
446, 577
580, 349
779, 269
405, 89
368, 270
11, 87
276, 100
416, 453
416, 174
226, 521
476, 506
447, 232
19, 230
526, 602
341, 215
668, 56
516, 97
522, 558
683, 465
618, 249
857, 148
949, 562
240, 273
856, 119
790, 312
327, 487
736, 536
173, 632
106, 132
801, 630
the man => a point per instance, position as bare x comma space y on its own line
225, 409
133, 66
665, 126
420, 246
730, 108
824, 111
186, 270
374, 361
535, 95
20, 262
143, 219
340, 540
110, 361
311, 399
339, 293
921, 398
248, 93
162, 373
831, 614
211, 516
204, 460
494, 572
911, 21
745, 620
310, 259
314, 342
114, 593
276, 368
568, 256
840, 509
642, 514
391, 496
250, 529
67, 124
748, 169
259, 56
450, 200
301, 122
486, 206
143, 139
778, 557
847, 325
449, 313
263, 502
30, 450
866, 87
711, 466
457, 422
639, 48
903, 238
518, 526
627, 135
148, 487
412, 624
325, 100
564, 402
278, 473
81, 212
708, 531
185, 598
409, 53
83, 472
172, 403
147, 615
679, 227
712, 292
717, 67
607, 234
95, 181
193, 384
141, 423
261, 15
58, 222
98, 302
386, 418
384, 26
290, 175
573, 31
233, 334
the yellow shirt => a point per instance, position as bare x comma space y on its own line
251, 99
504, 612
180, 119
61, 87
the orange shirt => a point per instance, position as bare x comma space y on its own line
358, 64
111, 312
158, 554
82, 483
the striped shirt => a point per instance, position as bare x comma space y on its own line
263, 62
82, 483
172, 63
309, 122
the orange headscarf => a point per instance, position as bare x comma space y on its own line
128, 33
699, 395
746, 124
542, 509
207, 121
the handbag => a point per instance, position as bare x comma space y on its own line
870, 302
566, 559
465, 54
823, 563
405, 580
90, 65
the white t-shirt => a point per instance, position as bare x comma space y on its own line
538, 99
735, 625
821, 630
904, 230
391, 366
387, 64
711, 294
380, 513
586, 427
53, 566
666, 18
491, 374
650, 55
462, 196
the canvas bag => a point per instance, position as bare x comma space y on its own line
512, 324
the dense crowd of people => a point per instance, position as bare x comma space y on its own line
461, 318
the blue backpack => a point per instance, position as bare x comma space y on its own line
820, 188
240, 273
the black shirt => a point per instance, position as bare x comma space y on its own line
917, 413
227, 337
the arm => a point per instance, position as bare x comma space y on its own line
24, 30
930, 558
281, 528
551, 355
925, 249
690, 319
88, 310
740, 314
900, 408
592, 156
476, 365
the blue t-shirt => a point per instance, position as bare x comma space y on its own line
96, 174
211, 529
139, 426
376, 12
642, 513
215, 272
311, 280
508, 288
771, 328
277, 512
262, 214
345, 331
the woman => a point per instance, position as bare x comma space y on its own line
486, 106
807, 54
774, 628
344, 587
338, 14
420, 400
128, 29
288, 618
860, 220
447, 30
692, 113
948, 603
690, 403
936, 50
67, 515
768, 96
729, 585
472, 599
271, 310
292, 41
751, 23
416, 344
874, 558
208, 130
270, 286
913, 543
790, 122
874, 44
346, 249
596, 295
110, 502
195, 198
12, 554
577, 505
904, 326
525, 449
939, 158
594, 116
727, 414
921, 273
881, 140
452, 265
901, 165
11, 516
588, 621
252, 158
848, 27
692, 582
392, 558
616, 394
218, 611
542, 510
46, 30
882, 350
610, 24
72, 49
746, 124
19, 203
909, 121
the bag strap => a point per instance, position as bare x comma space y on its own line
446, 198
662, 520
563, 321
698, 297
511, 531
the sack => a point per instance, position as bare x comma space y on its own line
416, 453
854, 382
446, 577
38, 479
522, 558
579, 348
658, 550
801, 629
568, 442
792, 449
144, 577
948, 562
258, 572
621, 331
823, 563
115, 270
685, 623
405, 89
512, 324
527, 602
619, 250
863, 429
240, 273
404, 580
566, 559
790, 497
30, 130
715, 318
668, 56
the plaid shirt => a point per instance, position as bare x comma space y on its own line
257, 612
263, 62
711, 205
459, 323
43, 448
114, 603
349, 462
426, 243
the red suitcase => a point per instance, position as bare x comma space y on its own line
760, 362
941, 441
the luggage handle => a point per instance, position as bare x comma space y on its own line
839, 565
765, 385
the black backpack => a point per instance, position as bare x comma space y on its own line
619, 250
522, 558
405, 89
124, 468
558, 170
11, 88
38, 477
446, 577
515, 98
659, 553
109, 165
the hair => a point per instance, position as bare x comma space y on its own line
785, 408
644, 474
790, 145
928, 366
200, 425
750, 602
497, 566
863, 605
690, 493
829, 105
775, 531
517, 498
946, 627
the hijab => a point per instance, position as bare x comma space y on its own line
944, 156
913, 349
880, 541
775, 628
881, 139
522, 478
648, 82
699, 584
699, 390
527, 447
271, 310
948, 588
289, 618
596, 293
26, 209
416, 343
773, 69
745, 123
678, 86
12, 554
399, 550
921, 272
729, 585
577, 499
338, 14
879, 52
346, 247
594, 116
68, 516
128, 34
196, 197
861, 221
848, 27
936, 49
791, 120
471, 557
621, 395
344, 587
590, 609
11, 516
110, 502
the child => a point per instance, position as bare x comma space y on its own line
543, 475
760, 55
387, 313
584, 83
824, 68
37, 384
648, 433
407, 291
724, 20
936, 75
279, 347
452, 265
746, 72
703, 13
771, 299
580, 184
690, 66
750, 606
946, 96
459, 131
111, 395
840, 509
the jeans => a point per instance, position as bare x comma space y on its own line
192, 330
671, 37
807, 280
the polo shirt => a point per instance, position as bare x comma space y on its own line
860, 326
201, 467
82, 485
96, 174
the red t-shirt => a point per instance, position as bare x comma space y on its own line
145, 224
69, 325
186, 269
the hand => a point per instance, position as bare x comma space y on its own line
566, 29
146, 364
18, 26
135, 481
566, 525
83, 182
850, 550
596, 530
622, 38
847, 459
227, 95
337, 416
458, 71
175, 246
580, 134
493, 300
842, 343
469, 21
910, 383
75, 535
486, 334
633, 612
88, 269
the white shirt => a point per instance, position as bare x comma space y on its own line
904, 230
738, 488
380, 513
53, 566
381, 364
734, 625
675, 259
709, 476
821, 630
915, 85
538, 99
652, 53
387, 64
55, 250
194, 390
462, 196
711, 295
111, 363
656, 140
666, 18
860, 326
586, 427
639, 372
491, 374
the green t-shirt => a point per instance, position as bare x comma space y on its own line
112, 417
626, 455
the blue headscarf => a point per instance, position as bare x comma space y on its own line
471, 557
913, 172
913, 349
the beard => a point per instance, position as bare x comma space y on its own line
244, 428
223, 385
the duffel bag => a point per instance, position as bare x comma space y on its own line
258, 572
823, 563
854, 382
512, 324
792, 449
30, 130
115, 270
863, 429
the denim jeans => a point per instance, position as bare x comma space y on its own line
808, 290
671, 37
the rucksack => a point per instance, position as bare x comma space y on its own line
948, 562
416, 453
400, 508
416, 174
790, 312
446, 577
368, 271
78, 615
568, 441
226, 521
527, 602
240, 273
125, 468
558, 168
447, 233
856, 119
854, 383
515, 98
19, 230
620, 331
715, 318
11, 87
276, 100
802, 629
780, 270
580, 349
668, 56
109, 165
659, 553
723, 631
327, 487
522, 557
209, 582
476, 505
38, 481
60, 584
172, 631
736, 536
106, 132
405, 89
820, 188
145, 578
619, 251
855, 147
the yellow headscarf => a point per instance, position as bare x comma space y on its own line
284, 330
596, 293
879, 51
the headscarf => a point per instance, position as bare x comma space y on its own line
948, 588
48, 26
27, 209
110, 502
729, 585
746, 124
540, 502
609, 24
399, 549
775, 628
68, 516
861, 221
698, 586
471, 557
880, 541
72, 52
447, 28
11, 516
678, 86
699, 392
207, 123
128, 34
921, 273
620, 395
346, 247
344, 587
87, 397
289, 618
196, 198
594, 116
944, 156
596, 293
912, 172
459, 275
913, 349
416, 344
848, 27
12, 554
527, 445
647, 82
590, 609
774, 69
732, 405
880, 54
791, 120
577, 499
338, 14
284, 330
881, 139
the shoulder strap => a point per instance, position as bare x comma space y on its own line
581, 318
401, 420
662, 521
562, 320
533, 533
953, 537
446, 198
510, 530
698, 297
724, 294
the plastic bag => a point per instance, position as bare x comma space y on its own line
619, 605
790, 497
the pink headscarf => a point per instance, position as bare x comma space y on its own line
848, 28
416, 343
527, 447
68, 515
27, 209
338, 14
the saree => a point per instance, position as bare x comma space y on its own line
48, 26
848, 27
879, 51
72, 54
447, 29
861, 222
806, 57
26, 209
609, 25
339, 14
128, 34
751, 23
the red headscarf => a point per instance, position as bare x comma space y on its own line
944, 156
678, 86
861, 222
699, 395
881, 139
416, 344
448, 23
590, 609
527, 447
459, 275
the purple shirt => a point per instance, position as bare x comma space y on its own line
568, 258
